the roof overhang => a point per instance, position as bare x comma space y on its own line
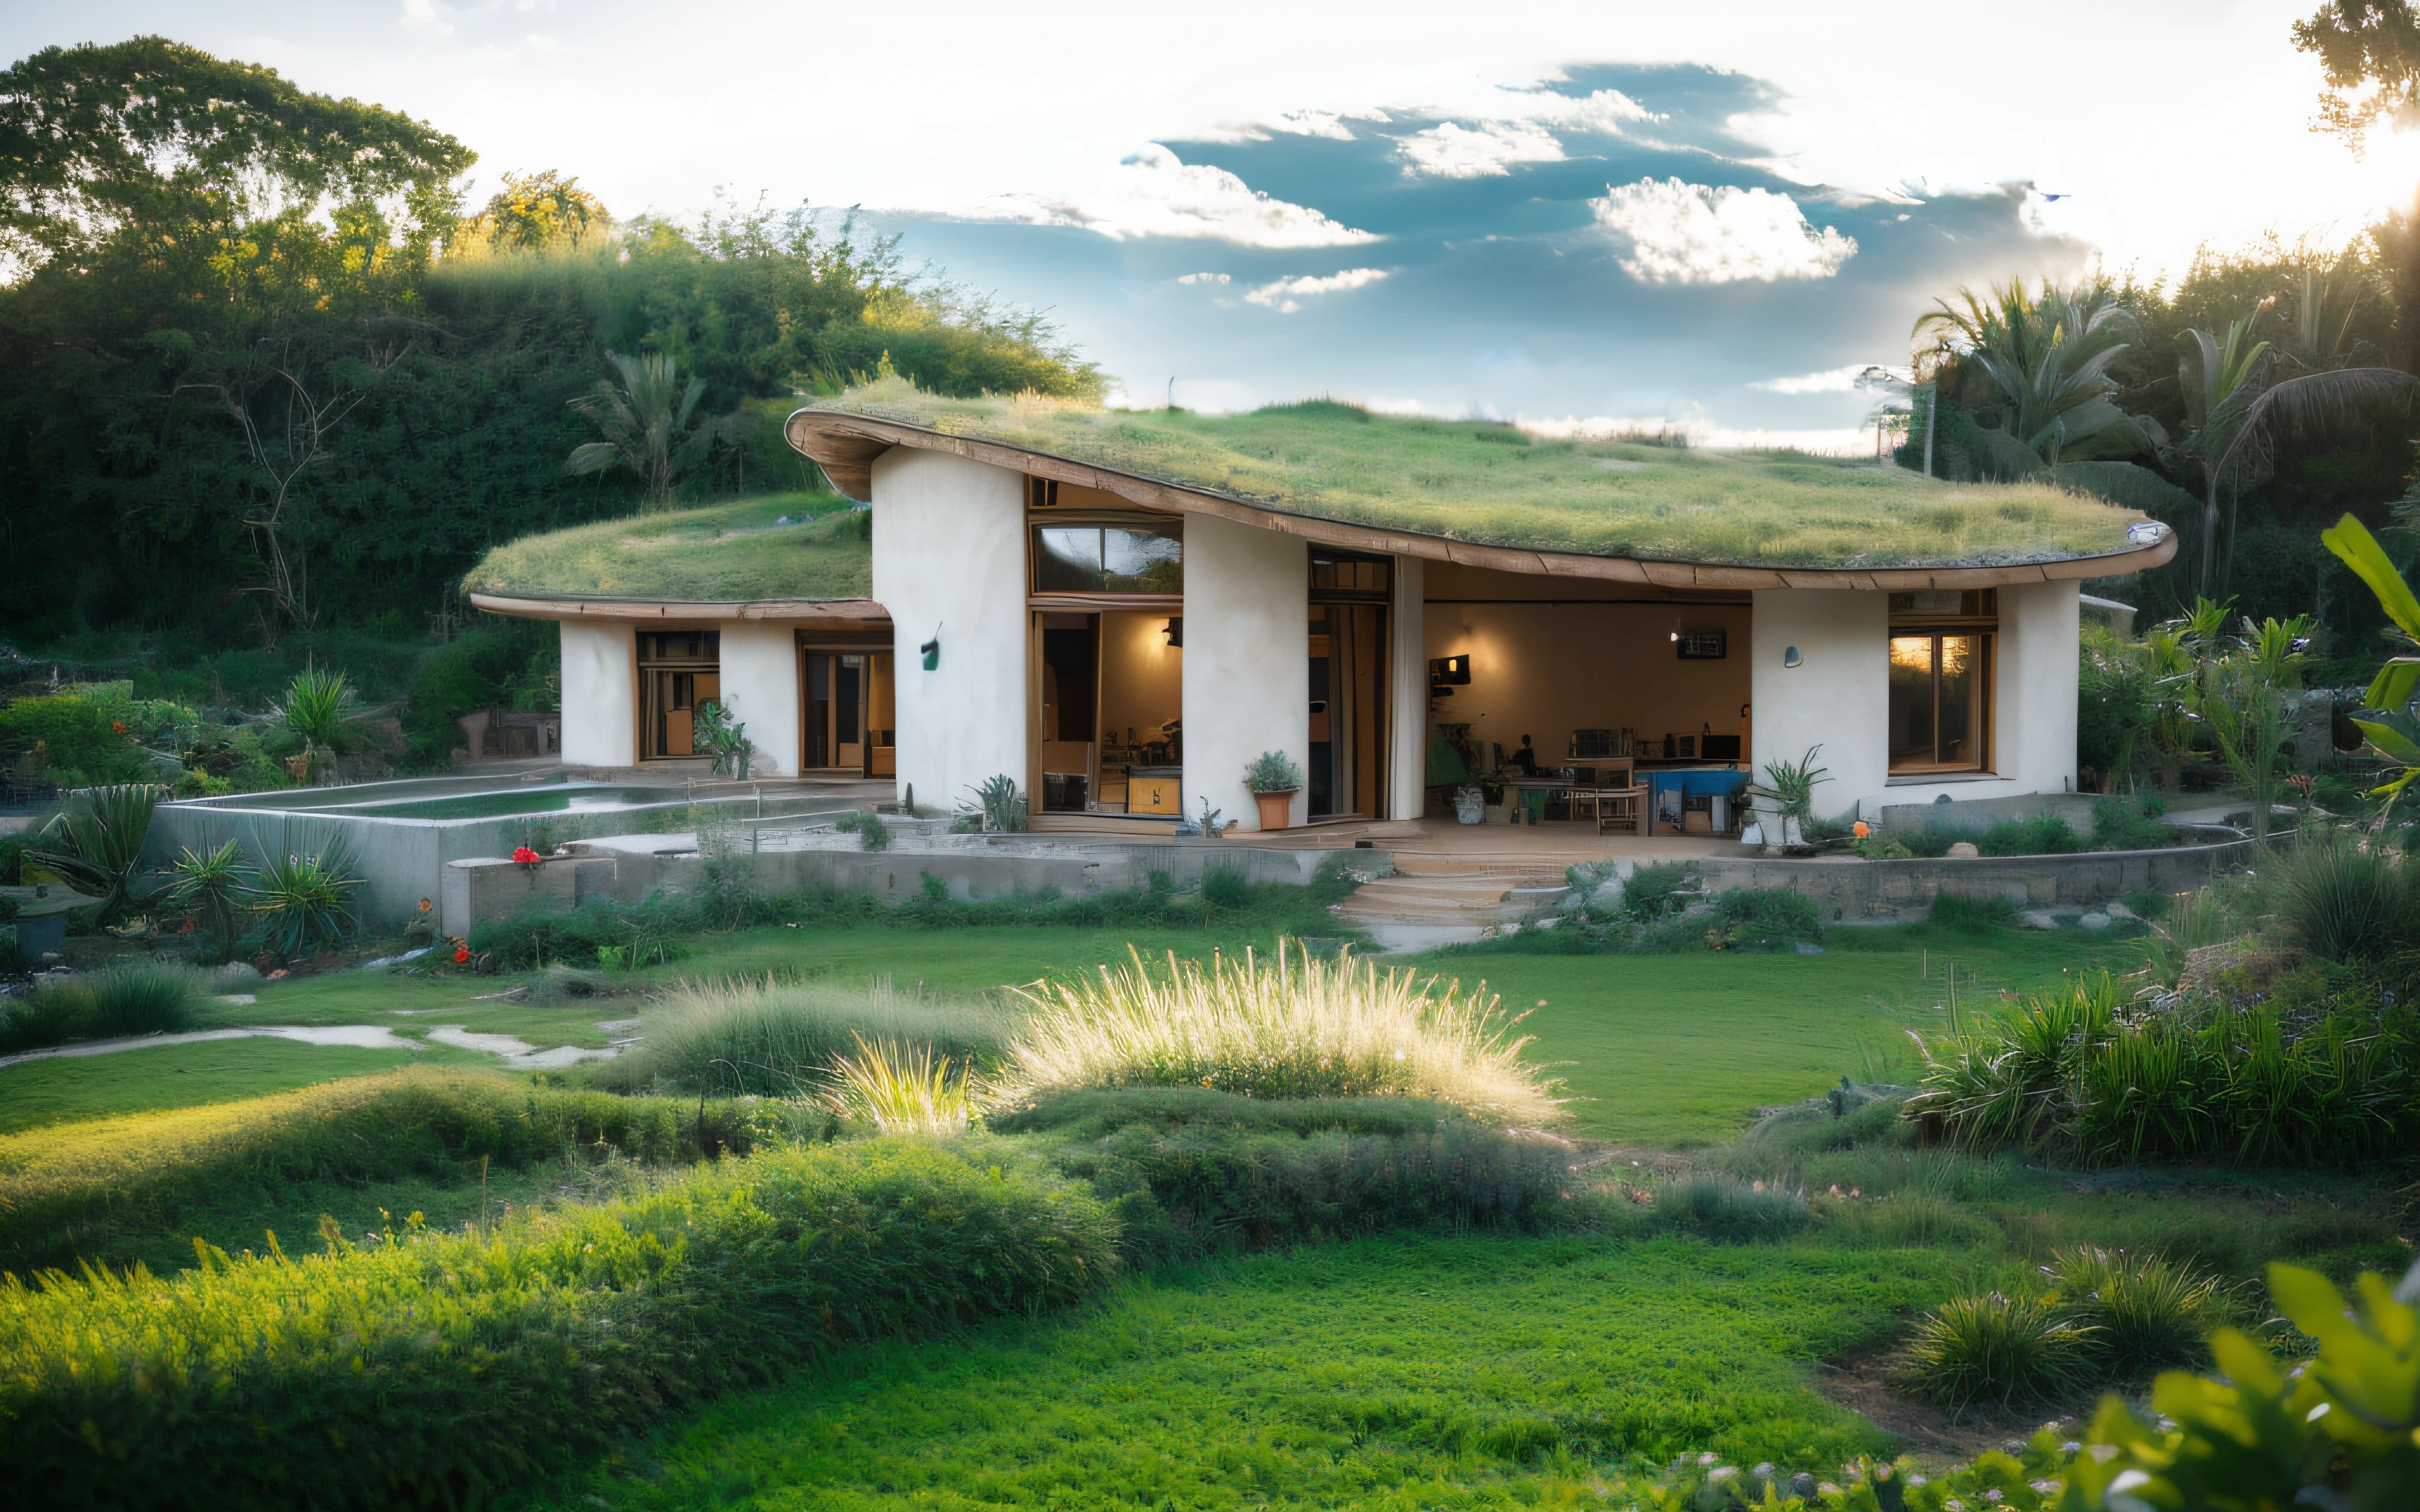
844, 445
805, 610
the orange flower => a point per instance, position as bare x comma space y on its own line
117, 727
460, 956
1862, 829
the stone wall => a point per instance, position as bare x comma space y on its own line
1849, 889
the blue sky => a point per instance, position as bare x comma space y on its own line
1553, 210
1607, 246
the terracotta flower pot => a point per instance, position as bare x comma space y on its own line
1276, 809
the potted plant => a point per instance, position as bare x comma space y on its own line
1471, 804
1274, 780
1786, 801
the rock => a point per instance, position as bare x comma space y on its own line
2119, 911
2095, 920
2036, 918
1804, 948
1964, 850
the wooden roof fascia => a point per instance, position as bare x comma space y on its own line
807, 611
845, 446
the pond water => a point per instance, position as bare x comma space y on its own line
552, 798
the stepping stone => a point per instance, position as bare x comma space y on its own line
2036, 918
2095, 920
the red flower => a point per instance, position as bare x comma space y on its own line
117, 727
461, 956
525, 856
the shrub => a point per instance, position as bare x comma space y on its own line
1964, 914
1734, 1211
2075, 1073
2130, 824
872, 833
1751, 919
109, 1190
437, 1370
1654, 892
75, 733
1999, 1349
2345, 900
1288, 1027
2042, 835
113, 1003
771, 1038
1273, 771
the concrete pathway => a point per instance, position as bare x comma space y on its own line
357, 1036
518, 1053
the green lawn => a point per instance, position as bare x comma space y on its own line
37, 1093
1403, 1372
1675, 1050
1667, 1051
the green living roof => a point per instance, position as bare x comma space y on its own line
1492, 485
725, 553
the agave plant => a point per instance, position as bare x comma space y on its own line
317, 720
214, 888
306, 901
998, 809
95, 841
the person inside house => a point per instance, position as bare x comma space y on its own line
1526, 758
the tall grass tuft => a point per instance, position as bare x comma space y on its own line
2081, 1075
143, 999
904, 1089
1998, 1349
1966, 915
768, 1038
2345, 901
2144, 1313
1288, 1026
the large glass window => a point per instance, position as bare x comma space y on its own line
1939, 700
1110, 558
679, 671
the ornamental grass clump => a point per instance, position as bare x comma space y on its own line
2145, 1314
1996, 1349
769, 1037
1284, 1027
897, 1089
147, 997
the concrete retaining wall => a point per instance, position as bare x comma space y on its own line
487, 891
1849, 889
1975, 815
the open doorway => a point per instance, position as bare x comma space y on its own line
1349, 594
1109, 732
847, 698
678, 671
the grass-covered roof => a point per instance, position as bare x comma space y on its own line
1492, 485
724, 553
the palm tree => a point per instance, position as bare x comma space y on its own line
647, 421
2049, 355
2219, 378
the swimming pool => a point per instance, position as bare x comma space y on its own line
532, 798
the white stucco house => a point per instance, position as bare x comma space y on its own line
1122, 610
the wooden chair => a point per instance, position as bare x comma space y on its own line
1621, 808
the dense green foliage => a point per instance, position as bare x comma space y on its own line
430, 1371
2255, 1079
252, 380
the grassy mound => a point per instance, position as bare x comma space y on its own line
1289, 1026
441, 1370
772, 1038
118, 1188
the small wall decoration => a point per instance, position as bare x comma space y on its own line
1701, 644
1790, 656
931, 650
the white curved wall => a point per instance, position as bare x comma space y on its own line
949, 558
1839, 696
601, 689
1247, 660
1407, 772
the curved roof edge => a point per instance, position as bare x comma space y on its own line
844, 445
568, 607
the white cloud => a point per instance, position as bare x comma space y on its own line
1831, 381
1681, 233
1607, 110
1284, 296
1154, 193
1454, 151
1315, 123
1204, 278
